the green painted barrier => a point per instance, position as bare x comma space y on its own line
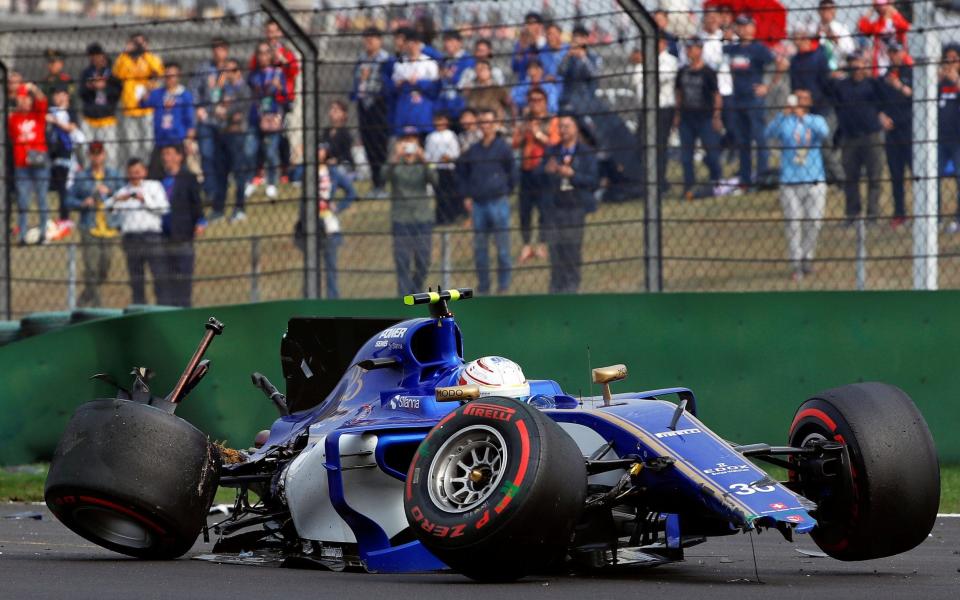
751, 358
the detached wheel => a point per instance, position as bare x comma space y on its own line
882, 497
133, 478
495, 489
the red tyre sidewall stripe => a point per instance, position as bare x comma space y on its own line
124, 510
817, 414
524, 463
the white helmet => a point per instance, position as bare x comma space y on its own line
496, 376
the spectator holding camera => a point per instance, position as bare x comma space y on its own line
138, 69
411, 211
99, 95
26, 125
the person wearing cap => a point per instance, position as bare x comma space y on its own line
803, 189
579, 71
698, 116
26, 126
56, 77
369, 93
531, 41
63, 138
206, 87
456, 61
99, 94
412, 211
139, 70
859, 102
835, 38
668, 67
416, 87
749, 60
91, 187
898, 142
881, 23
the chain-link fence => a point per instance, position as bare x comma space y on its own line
574, 187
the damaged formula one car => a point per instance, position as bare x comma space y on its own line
392, 454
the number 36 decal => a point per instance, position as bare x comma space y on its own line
743, 489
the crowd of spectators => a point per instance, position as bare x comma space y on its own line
450, 134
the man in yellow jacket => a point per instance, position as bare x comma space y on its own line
138, 69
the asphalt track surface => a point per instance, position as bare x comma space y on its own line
42, 559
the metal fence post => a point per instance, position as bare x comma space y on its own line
254, 269
445, 260
5, 180
72, 276
861, 254
653, 258
311, 119
926, 48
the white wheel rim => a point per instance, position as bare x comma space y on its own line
467, 469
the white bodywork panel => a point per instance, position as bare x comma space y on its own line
367, 490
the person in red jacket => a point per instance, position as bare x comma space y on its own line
282, 57
27, 125
882, 23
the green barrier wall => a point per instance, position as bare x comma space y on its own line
751, 358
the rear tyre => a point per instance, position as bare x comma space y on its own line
882, 497
133, 478
495, 489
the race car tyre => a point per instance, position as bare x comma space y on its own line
881, 499
133, 478
495, 489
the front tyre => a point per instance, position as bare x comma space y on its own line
882, 497
495, 489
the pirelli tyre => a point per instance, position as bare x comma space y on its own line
495, 489
133, 478
882, 497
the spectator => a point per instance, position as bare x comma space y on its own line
174, 120
835, 37
748, 60
337, 137
268, 84
369, 92
699, 115
712, 37
416, 81
90, 189
662, 19
238, 140
286, 60
411, 211
181, 224
572, 167
470, 132
402, 35
206, 88
948, 123
330, 180
486, 181
535, 79
62, 136
528, 47
26, 127
888, 24
138, 69
858, 99
454, 64
442, 151
99, 94
803, 188
487, 95
898, 143
537, 131
139, 207
579, 71
667, 70
482, 50
56, 77
553, 54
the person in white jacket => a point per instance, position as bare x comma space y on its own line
137, 209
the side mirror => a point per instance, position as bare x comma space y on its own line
607, 375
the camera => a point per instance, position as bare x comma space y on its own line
409, 148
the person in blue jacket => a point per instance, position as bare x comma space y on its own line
454, 64
330, 181
572, 168
416, 87
174, 116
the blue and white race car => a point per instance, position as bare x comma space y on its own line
394, 454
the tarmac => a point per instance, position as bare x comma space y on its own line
40, 558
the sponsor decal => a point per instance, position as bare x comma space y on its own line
667, 434
334, 552
393, 332
724, 469
362, 414
381, 344
489, 411
432, 528
404, 402
744, 489
794, 518
778, 506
